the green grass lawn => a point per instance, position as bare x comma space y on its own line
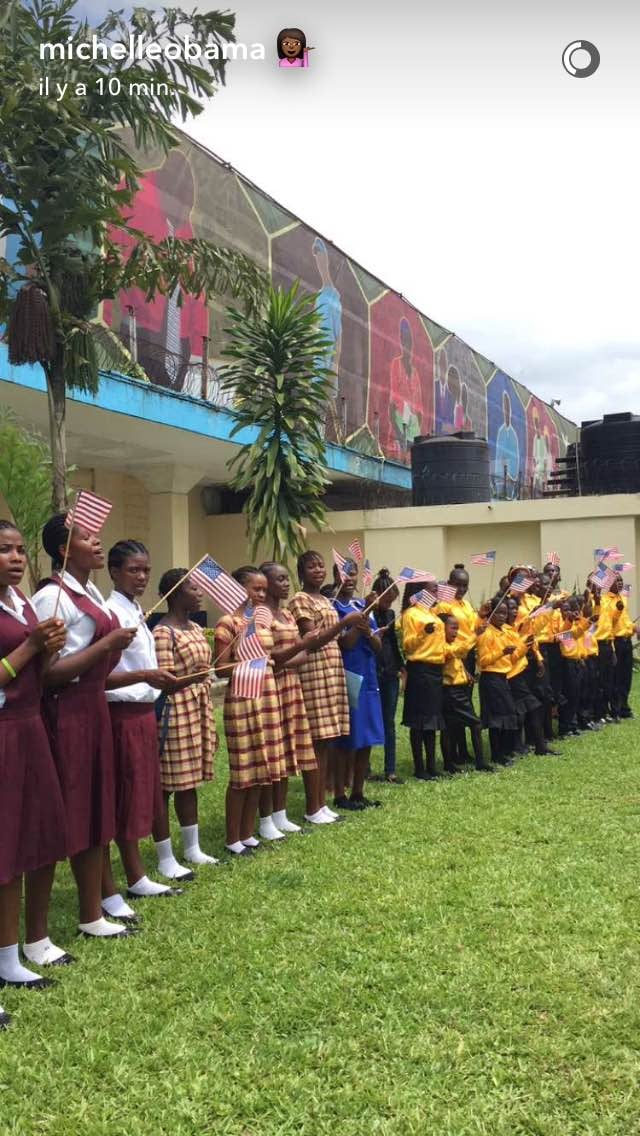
464, 960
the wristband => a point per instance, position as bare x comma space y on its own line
7, 666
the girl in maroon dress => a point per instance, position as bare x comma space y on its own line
77, 713
32, 828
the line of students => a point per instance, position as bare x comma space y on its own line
101, 722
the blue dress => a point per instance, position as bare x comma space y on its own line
365, 708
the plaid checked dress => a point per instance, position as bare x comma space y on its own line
187, 758
322, 678
252, 725
298, 743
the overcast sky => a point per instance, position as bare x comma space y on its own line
445, 148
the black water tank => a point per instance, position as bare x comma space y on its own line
450, 470
610, 454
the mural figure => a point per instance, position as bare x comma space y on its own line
444, 399
405, 393
541, 458
329, 307
169, 334
507, 455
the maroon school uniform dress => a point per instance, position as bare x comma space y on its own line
81, 741
32, 815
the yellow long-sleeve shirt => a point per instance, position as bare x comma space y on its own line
625, 626
490, 650
467, 618
455, 672
417, 645
518, 659
571, 648
607, 617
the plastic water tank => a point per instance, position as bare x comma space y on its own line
450, 470
610, 454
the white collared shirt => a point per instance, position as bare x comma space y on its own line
140, 655
18, 611
81, 628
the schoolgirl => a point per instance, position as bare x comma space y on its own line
252, 725
132, 690
423, 646
361, 648
457, 701
391, 668
322, 675
528, 706
32, 822
623, 646
289, 653
574, 625
607, 614
77, 713
467, 618
494, 651
187, 732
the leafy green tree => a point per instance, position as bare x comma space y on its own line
280, 384
25, 484
67, 180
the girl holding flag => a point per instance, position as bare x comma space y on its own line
76, 705
623, 645
187, 732
423, 645
494, 651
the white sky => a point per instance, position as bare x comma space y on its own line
445, 148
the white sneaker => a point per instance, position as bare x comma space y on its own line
287, 825
330, 813
268, 830
319, 818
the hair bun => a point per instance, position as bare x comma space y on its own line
460, 566
383, 572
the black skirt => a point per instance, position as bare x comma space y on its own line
539, 685
522, 695
422, 708
552, 656
496, 703
457, 705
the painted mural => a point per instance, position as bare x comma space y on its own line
397, 374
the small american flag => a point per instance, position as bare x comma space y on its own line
263, 616
367, 576
484, 558
544, 609
415, 576
553, 558
423, 599
225, 592
355, 549
623, 566
446, 593
606, 553
564, 636
344, 564
520, 583
89, 512
626, 591
249, 645
248, 678
603, 577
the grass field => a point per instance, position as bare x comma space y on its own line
464, 960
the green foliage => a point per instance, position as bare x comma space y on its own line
281, 386
67, 179
25, 484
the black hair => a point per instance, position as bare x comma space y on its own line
54, 534
242, 574
459, 568
169, 581
293, 33
123, 550
306, 558
445, 616
328, 591
8, 525
349, 568
383, 582
457, 571
409, 591
268, 565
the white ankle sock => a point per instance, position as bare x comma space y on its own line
268, 830
192, 850
251, 842
281, 821
236, 848
329, 812
319, 818
145, 887
43, 952
101, 928
11, 969
167, 864
115, 906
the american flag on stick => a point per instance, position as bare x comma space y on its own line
484, 559
553, 558
564, 636
423, 599
355, 549
606, 553
247, 679
623, 566
415, 576
249, 645
603, 577
446, 593
344, 564
263, 616
89, 512
367, 576
225, 592
520, 583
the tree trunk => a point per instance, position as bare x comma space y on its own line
56, 393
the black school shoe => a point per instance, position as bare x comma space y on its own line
37, 984
171, 891
365, 803
348, 804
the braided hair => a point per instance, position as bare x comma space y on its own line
123, 550
55, 535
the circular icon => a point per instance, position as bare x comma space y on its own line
587, 69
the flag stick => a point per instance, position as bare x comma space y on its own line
66, 555
180, 581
